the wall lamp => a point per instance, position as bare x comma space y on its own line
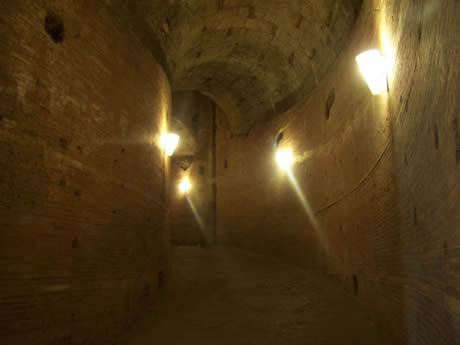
374, 68
284, 158
184, 185
169, 143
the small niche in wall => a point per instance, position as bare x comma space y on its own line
419, 33
146, 289
226, 164
196, 120
54, 27
329, 103
75, 243
355, 284
436, 137
279, 138
457, 140
161, 279
201, 170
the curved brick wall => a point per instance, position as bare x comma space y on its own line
380, 174
82, 183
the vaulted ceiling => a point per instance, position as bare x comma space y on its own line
255, 58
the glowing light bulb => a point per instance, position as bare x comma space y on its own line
184, 185
284, 158
169, 143
374, 70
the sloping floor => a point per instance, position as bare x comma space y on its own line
224, 296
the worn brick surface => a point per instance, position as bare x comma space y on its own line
380, 174
82, 181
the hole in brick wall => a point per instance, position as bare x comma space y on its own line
77, 193
201, 171
252, 12
54, 27
436, 137
419, 33
329, 18
291, 60
457, 140
1, 117
226, 164
220, 4
279, 138
79, 148
415, 216
208, 82
146, 289
355, 284
122, 150
161, 279
196, 120
356, 6
75, 243
64, 143
166, 27
299, 21
329, 103
62, 182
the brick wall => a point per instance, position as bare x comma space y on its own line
83, 227
380, 176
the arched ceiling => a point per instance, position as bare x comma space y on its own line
255, 58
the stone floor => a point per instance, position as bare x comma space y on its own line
225, 296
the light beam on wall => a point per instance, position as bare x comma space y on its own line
169, 143
374, 68
303, 200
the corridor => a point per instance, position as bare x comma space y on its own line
229, 172
223, 296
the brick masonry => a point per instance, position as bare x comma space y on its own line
380, 175
83, 203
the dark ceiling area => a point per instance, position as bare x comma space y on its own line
254, 58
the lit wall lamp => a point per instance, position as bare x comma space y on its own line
374, 68
184, 185
169, 143
284, 158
